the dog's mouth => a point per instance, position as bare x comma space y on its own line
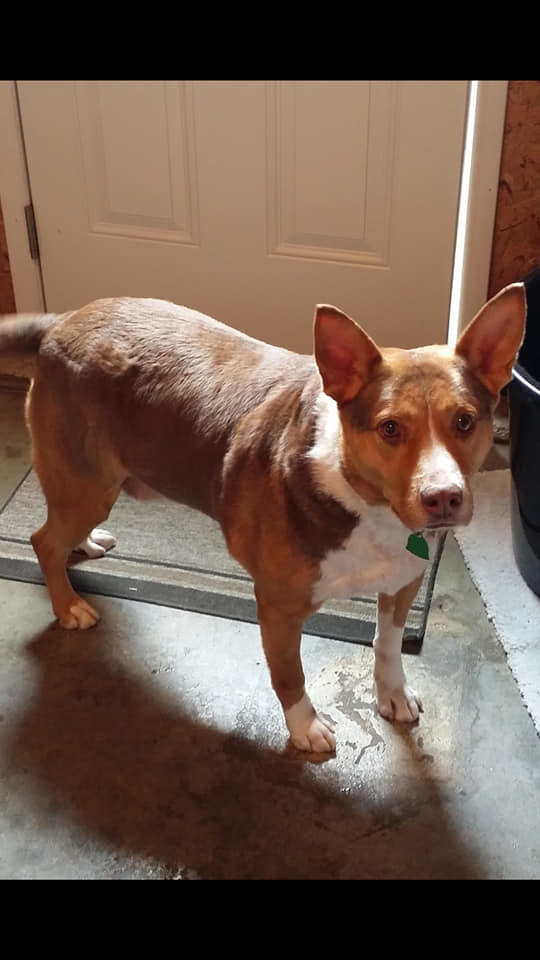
442, 525
439, 524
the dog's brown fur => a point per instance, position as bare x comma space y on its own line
156, 399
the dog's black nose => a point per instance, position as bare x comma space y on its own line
442, 503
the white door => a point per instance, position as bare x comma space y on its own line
251, 200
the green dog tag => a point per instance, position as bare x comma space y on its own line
418, 545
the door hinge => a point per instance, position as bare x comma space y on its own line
32, 231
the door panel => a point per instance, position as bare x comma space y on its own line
251, 200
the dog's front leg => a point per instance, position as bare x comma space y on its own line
395, 699
281, 636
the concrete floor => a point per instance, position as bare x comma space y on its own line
152, 747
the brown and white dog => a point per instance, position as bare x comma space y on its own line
317, 468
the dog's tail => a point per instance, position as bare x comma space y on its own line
23, 332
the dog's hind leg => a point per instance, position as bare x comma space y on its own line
80, 481
68, 524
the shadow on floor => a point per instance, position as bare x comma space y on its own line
123, 761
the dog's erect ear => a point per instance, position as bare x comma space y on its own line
345, 355
491, 341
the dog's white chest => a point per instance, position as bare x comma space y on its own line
373, 559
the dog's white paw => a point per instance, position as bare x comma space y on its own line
97, 543
81, 616
307, 729
401, 703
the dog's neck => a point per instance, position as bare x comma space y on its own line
331, 472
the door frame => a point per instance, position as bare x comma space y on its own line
14, 196
485, 129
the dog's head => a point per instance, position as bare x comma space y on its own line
417, 423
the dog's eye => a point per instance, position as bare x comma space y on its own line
389, 430
465, 423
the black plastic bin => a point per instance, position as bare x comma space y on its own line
524, 395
